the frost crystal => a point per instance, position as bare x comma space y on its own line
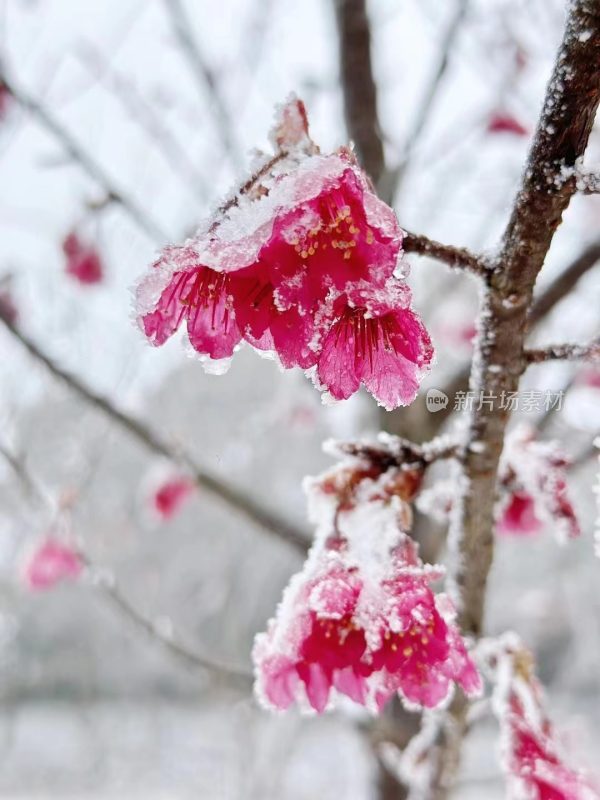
533, 760
302, 262
360, 619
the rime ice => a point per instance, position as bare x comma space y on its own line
360, 619
302, 263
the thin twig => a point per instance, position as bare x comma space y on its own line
234, 498
565, 352
204, 76
564, 282
430, 95
454, 257
108, 585
85, 160
110, 589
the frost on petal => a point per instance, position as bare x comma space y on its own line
279, 262
386, 353
51, 562
533, 759
534, 472
360, 618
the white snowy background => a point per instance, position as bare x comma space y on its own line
89, 706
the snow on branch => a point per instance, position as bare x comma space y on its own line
588, 182
564, 352
454, 257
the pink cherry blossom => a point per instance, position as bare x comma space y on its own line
82, 260
361, 619
300, 263
502, 122
51, 562
533, 476
535, 763
171, 494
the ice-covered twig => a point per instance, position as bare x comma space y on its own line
395, 451
358, 85
588, 182
85, 160
234, 498
454, 257
204, 76
565, 352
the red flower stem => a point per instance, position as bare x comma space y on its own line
239, 501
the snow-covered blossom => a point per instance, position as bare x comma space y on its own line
532, 477
532, 488
301, 262
534, 761
360, 619
82, 260
503, 122
168, 498
51, 561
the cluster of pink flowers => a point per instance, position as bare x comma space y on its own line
50, 562
532, 755
534, 483
83, 261
361, 619
533, 489
302, 263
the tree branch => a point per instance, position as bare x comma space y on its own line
454, 257
85, 161
204, 76
566, 352
234, 498
561, 138
562, 285
358, 85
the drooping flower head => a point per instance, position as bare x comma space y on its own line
532, 478
532, 756
361, 619
83, 261
49, 563
301, 262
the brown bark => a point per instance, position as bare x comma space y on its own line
561, 138
358, 85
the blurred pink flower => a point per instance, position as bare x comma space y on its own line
519, 516
503, 122
534, 479
8, 308
301, 264
5, 99
82, 260
535, 764
170, 496
51, 562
